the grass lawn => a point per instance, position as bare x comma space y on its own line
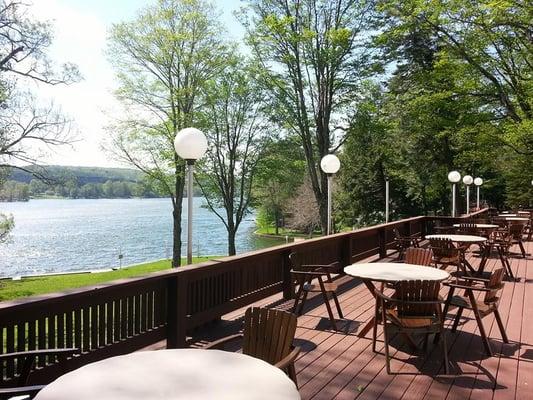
270, 230
10, 289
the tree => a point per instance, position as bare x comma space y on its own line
302, 210
24, 123
236, 133
163, 59
311, 61
280, 172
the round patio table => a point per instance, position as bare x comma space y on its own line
517, 219
191, 374
480, 226
390, 273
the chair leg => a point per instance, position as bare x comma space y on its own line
500, 325
445, 352
337, 304
483, 334
386, 340
375, 327
291, 371
302, 303
522, 249
456, 320
330, 312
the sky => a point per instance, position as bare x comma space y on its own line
80, 34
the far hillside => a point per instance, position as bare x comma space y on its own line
75, 183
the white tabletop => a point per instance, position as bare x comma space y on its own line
521, 219
480, 226
507, 215
184, 374
394, 272
459, 238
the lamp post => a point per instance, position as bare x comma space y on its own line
467, 180
478, 182
190, 144
387, 194
330, 164
454, 177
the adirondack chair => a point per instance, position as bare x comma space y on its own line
481, 308
305, 275
517, 231
419, 256
404, 242
415, 308
25, 360
446, 254
268, 334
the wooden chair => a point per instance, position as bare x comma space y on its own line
517, 231
404, 242
26, 360
415, 308
446, 254
481, 308
467, 229
501, 240
304, 275
419, 256
268, 334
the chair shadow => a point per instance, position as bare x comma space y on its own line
432, 363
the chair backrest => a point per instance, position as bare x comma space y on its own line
416, 291
419, 256
443, 247
396, 233
468, 228
268, 333
516, 231
495, 284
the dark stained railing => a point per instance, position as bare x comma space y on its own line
126, 315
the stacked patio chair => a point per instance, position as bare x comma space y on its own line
415, 308
268, 334
314, 278
480, 308
467, 229
403, 242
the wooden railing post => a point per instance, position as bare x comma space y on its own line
177, 312
288, 286
382, 243
346, 252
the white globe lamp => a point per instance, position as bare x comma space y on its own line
454, 177
330, 164
191, 145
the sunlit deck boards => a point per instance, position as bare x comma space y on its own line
342, 366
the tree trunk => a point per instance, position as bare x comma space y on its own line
231, 242
276, 219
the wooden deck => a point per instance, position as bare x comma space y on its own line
341, 365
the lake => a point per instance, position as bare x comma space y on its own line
70, 235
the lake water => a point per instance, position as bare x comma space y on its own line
70, 235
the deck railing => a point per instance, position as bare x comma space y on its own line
123, 316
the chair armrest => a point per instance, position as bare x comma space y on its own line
20, 391
219, 344
474, 278
466, 287
34, 353
308, 273
333, 266
393, 300
289, 359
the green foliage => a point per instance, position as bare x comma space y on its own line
7, 224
